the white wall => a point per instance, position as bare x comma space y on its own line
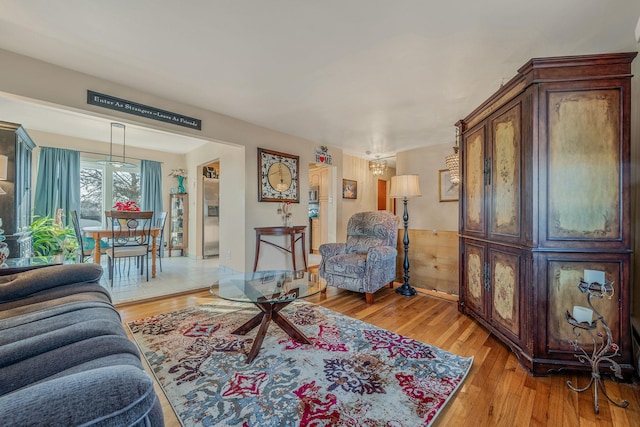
427, 212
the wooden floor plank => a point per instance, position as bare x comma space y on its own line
498, 390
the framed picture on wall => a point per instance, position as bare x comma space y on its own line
349, 189
448, 191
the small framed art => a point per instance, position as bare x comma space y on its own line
349, 189
448, 191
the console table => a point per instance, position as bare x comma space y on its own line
295, 233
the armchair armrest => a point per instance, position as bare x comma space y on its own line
327, 250
380, 267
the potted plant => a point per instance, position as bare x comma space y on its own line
51, 238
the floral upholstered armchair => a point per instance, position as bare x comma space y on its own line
367, 261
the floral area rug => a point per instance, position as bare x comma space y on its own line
353, 373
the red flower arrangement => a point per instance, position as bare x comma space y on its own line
129, 206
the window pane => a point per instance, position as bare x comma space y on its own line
102, 186
126, 186
91, 193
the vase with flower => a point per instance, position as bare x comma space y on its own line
181, 175
284, 210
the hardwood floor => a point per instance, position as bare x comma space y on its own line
497, 392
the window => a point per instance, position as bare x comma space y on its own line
102, 186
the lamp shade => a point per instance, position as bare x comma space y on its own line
405, 186
4, 166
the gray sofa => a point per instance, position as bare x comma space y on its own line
65, 358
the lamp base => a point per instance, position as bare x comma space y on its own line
406, 290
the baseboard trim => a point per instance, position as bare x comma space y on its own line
434, 293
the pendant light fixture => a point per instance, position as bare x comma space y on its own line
453, 161
118, 129
377, 166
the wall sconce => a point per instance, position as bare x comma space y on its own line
453, 161
378, 167
4, 167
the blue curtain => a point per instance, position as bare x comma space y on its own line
151, 186
58, 183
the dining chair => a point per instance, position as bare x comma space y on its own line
160, 220
86, 245
130, 238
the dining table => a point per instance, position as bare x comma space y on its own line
98, 233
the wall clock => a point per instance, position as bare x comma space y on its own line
278, 177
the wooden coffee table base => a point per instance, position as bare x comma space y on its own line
270, 311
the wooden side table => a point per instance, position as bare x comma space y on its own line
296, 233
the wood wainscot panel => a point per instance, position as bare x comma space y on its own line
433, 260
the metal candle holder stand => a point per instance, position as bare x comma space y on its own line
603, 350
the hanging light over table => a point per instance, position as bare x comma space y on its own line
453, 162
115, 128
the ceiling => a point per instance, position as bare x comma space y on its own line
370, 76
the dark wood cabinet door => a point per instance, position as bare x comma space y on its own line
474, 183
505, 264
585, 184
564, 272
474, 277
506, 182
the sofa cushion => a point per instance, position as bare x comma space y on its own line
20, 285
46, 364
100, 293
118, 395
23, 327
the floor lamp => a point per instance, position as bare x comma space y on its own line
404, 187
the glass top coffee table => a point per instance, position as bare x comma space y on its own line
270, 291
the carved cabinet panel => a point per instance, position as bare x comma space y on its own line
584, 145
505, 267
505, 185
474, 188
475, 270
563, 272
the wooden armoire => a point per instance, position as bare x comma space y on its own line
545, 195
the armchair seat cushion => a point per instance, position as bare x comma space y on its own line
128, 251
348, 265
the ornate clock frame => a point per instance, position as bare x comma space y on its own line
276, 168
